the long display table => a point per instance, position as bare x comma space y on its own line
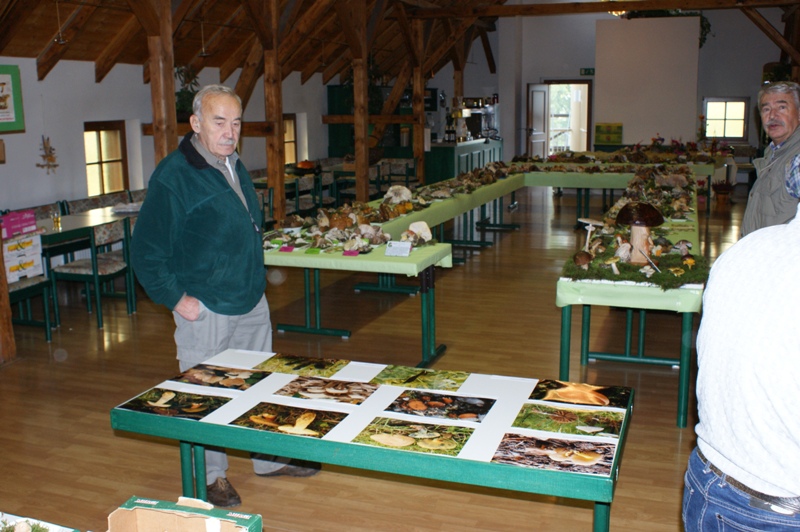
686, 301
420, 264
482, 430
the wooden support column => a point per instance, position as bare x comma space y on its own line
352, 16
273, 106
156, 19
8, 345
265, 16
418, 102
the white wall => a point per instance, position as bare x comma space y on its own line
661, 89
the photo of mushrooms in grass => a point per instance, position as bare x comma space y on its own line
175, 404
429, 379
219, 377
564, 420
289, 420
434, 405
578, 393
317, 388
414, 436
575, 456
310, 367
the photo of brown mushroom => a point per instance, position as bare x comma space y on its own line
428, 379
587, 457
426, 404
220, 377
353, 393
175, 404
536, 416
289, 420
414, 436
580, 393
307, 366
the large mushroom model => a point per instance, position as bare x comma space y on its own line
641, 217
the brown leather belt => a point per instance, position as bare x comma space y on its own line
788, 505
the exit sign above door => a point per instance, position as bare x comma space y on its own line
587, 72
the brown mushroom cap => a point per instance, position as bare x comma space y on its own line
582, 258
639, 214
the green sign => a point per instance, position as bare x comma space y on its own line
587, 72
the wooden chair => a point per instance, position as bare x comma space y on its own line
21, 293
137, 196
266, 195
96, 202
101, 269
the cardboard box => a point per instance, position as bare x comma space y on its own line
22, 256
187, 515
18, 223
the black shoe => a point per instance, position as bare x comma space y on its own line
295, 468
222, 494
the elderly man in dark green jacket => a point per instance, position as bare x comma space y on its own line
197, 250
773, 199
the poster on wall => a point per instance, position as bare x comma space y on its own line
11, 117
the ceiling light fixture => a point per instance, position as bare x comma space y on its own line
616, 13
203, 52
60, 38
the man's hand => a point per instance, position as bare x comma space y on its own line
188, 307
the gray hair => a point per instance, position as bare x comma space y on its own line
783, 87
208, 90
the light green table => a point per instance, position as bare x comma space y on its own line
477, 469
686, 301
420, 263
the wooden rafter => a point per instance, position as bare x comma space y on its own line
405, 31
108, 57
252, 70
11, 18
260, 18
236, 59
487, 50
774, 35
574, 8
54, 51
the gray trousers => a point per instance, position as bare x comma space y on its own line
209, 335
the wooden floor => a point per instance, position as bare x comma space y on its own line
61, 462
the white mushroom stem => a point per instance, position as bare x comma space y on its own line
589, 230
640, 244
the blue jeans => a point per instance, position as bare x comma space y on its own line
711, 504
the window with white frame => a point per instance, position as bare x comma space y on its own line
290, 138
726, 118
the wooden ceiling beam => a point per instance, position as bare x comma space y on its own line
405, 30
306, 25
186, 9
262, 23
451, 41
11, 18
574, 8
487, 50
54, 51
147, 15
251, 71
355, 36
377, 16
236, 59
774, 35
111, 52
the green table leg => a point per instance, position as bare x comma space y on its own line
683, 377
387, 283
586, 324
578, 207
468, 222
200, 472
566, 331
602, 517
642, 321
314, 299
430, 351
187, 472
497, 216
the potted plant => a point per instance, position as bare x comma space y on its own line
189, 85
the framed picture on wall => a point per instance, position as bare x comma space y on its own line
11, 116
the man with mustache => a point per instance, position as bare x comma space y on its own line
197, 250
774, 197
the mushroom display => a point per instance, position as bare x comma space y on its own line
582, 259
641, 217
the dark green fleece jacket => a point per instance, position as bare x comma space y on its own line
194, 235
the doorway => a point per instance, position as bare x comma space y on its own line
559, 117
